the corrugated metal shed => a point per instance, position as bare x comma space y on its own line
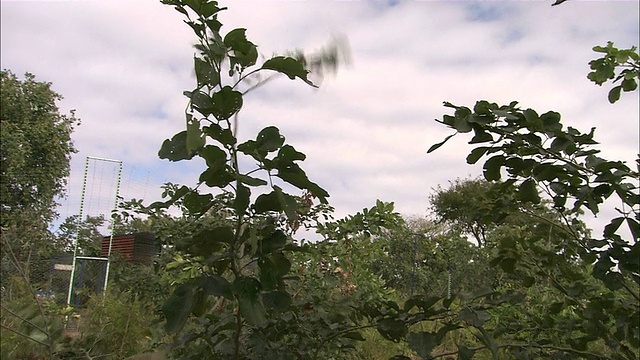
138, 247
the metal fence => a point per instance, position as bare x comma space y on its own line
49, 278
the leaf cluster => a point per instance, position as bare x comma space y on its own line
542, 160
607, 68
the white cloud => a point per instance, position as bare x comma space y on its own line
123, 66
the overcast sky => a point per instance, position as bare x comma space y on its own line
123, 66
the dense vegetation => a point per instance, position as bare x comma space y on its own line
503, 268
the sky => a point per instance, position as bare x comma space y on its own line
123, 65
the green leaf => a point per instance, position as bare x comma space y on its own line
434, 147
614, 94
251, 181
208, 242
288, 203
216, 132
215, 158
242, 199
392, 329
288, 66
224, 234
205, 73
447, 302
272, 268
250, 305
195, 140
354, 335
202, 102
277, 300
269, 139
294, 175
243, 51
422, 343
508, 264
483, 107
531, 116
209, 8
634, 227
461, 124
197, 203
562, 143
288, 154
492, 168
551, 121
528, 281
629, 85
528, 191
216, 177
250, 148
426, 302
176, 148
476, 154
472, 317
547, 172
275, 241
200, 303
267, 202
442, 332
217, 286
226, 102
612, 227
488, 341
481, 137
178, 307
465, 353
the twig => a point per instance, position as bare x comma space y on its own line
542, 347
16, 264
126, 329
23, 319
24, 335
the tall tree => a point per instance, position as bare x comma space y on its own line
596, 279
35, 150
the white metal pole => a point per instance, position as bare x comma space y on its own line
75, 246
115, 207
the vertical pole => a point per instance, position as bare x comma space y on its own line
75, 246
449, 282
115, 206
414, 264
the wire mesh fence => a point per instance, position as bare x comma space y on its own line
48, 279
88, 278
28, 276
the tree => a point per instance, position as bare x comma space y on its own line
539, 156
421, 256
234, 270
85, 233
35, 150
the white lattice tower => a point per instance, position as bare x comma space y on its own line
99, 197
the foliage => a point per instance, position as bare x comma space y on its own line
86, 233
426, 258
31, 330
233, 281
35, 149
113, 326
539, 156
30, 320
604, 69
467, 207
233, 269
